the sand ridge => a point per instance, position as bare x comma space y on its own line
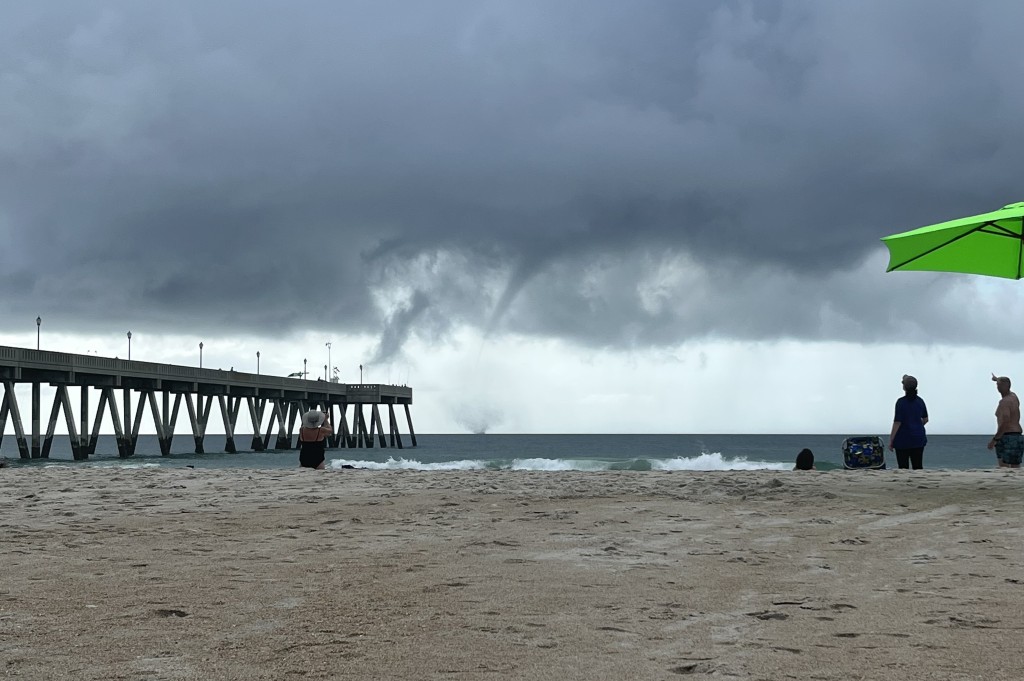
168, 573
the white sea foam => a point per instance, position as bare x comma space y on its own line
702, 462
409, 464
715, 462
540, 464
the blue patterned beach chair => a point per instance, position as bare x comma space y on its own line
863, 452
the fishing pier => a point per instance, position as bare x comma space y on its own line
274, 404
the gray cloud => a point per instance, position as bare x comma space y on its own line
518, 166
398, 327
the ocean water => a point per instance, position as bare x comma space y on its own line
529, 452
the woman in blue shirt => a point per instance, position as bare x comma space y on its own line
907, 436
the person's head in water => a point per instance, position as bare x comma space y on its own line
805, 460
909, 385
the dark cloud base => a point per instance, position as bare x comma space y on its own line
520, 167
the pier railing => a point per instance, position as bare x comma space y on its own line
23, 364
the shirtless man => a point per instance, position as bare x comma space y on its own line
1008, 441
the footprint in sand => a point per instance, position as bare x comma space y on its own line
911, 517
696, 667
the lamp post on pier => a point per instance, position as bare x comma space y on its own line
257, 362
39, 322
200, 354
305, 374
328, 344
360, 374
129, 346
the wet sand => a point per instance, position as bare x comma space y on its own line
217, 574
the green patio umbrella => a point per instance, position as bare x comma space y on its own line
990, 244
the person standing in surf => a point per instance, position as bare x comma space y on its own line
1008, 441
316, 426
908, 436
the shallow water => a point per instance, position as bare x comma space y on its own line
531, 452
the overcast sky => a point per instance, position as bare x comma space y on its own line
550, 216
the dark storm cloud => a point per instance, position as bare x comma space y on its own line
532, 167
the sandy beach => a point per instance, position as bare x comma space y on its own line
214, 574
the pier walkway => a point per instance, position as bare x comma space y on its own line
274, 403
